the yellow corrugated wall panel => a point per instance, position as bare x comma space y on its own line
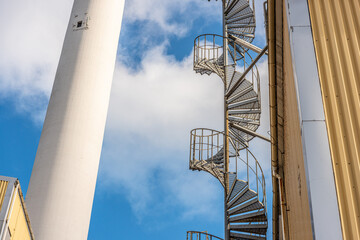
3, 187
336, 32
17, 223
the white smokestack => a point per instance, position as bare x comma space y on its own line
61, 190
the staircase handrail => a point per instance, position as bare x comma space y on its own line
205, 143
208, 47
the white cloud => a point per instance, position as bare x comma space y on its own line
164, 99
32, 33
151, 114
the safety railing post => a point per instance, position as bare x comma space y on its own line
212, 144
252, 76
194, 146
205, 47
214, 47
195, 50
247, 164
202, 144
257, 181
208, 146
198, 48
244, 61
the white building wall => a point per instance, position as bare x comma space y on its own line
62, 185
319, 172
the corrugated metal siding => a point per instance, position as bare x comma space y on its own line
336, 33
18, 225
3, 187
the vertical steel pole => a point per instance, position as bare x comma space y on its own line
226, 128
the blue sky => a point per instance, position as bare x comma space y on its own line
144, 188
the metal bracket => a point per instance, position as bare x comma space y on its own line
252, 133
236, 85
246, 44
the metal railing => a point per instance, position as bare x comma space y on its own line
208, 48
196, 235
207, 144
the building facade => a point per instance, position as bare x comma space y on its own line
314, 70
14, 220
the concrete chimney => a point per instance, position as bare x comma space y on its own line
61, 190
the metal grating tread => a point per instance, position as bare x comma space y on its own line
218, 158
242, 236
234, 209
249, 194
250, 228
239, 93
245, 103
258, 216
252, 207
239, 185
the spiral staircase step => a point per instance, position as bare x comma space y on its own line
218, 158
238, 187
250, 228
236, 18
241, 236
258, 216
230, 6
242, 33
237, 209
244, 84
240, 25
243, 102
246, 103
230, 13
246, 196
244, 120
242, 197
244, 111
238, 94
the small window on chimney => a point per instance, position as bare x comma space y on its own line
79, 24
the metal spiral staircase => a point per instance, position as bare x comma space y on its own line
225, 155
